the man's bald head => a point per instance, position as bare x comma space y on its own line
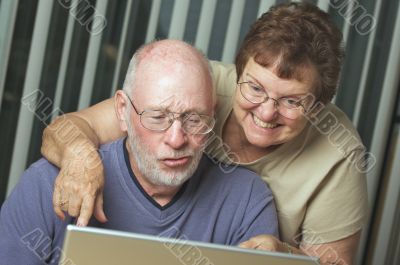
170, 56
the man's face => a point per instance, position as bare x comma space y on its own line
170, 157
166, 167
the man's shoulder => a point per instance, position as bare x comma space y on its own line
231, 174
235, 185
42, 168
36, 181
112, 148
38, 176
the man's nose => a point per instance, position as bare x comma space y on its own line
175, 136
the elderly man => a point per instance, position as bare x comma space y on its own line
157, 179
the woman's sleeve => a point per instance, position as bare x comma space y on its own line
340, 208
224, 77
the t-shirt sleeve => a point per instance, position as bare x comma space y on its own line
260, 215
27, 222
224, 77
339, 209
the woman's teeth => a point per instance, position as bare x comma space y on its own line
262, 124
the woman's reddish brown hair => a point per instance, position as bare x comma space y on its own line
292, 38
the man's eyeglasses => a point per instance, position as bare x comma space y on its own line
290, 107
161, 120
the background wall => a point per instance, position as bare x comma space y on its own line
62, 55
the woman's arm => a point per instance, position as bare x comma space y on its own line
341, 252
71, 143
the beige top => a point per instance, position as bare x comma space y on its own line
317, 180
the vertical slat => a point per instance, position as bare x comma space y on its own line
205, 24
346, 24
386, 224
345, 30
154, 15
381, 131
31, 86
323, 5
8, 14
62, 72
232, 36
357, 114
92, 57
121, 48
367, 62
264, 6
178, 23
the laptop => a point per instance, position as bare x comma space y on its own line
88, 245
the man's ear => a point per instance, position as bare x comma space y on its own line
120, 104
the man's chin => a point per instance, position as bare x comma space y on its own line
170, 184
169, 180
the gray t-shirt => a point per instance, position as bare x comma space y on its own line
212, 206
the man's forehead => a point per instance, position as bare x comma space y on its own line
171, 92
174, 103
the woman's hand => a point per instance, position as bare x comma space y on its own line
78, 189
339, 252
266, 242
70, 142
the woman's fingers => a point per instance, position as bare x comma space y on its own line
263, 242
78, 190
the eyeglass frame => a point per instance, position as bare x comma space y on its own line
267, 97
172, 114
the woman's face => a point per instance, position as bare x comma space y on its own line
263, 124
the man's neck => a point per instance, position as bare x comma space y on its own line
161, 194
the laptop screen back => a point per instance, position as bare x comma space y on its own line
104, 247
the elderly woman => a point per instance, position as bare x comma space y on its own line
274, 117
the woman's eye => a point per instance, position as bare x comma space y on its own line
256, 88
294, 102
158, 117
